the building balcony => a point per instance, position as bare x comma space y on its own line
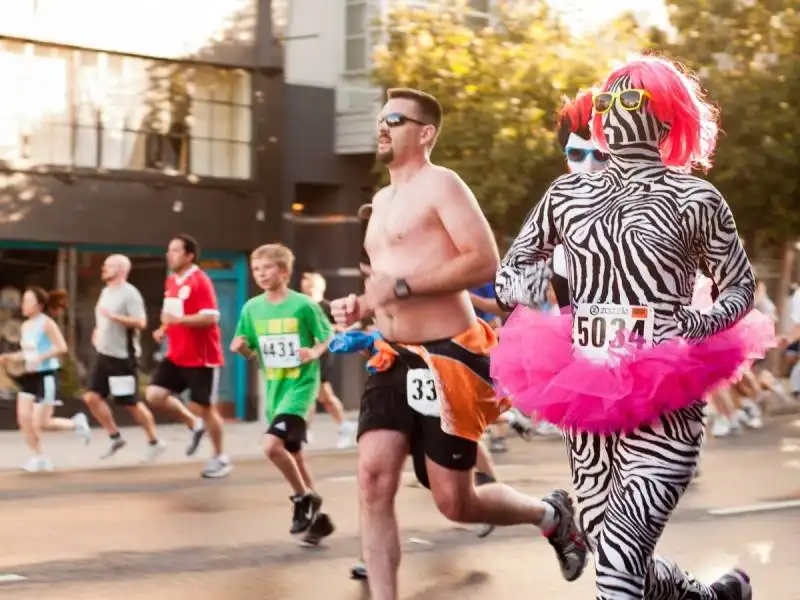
357, 107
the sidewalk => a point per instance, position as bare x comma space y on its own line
242, 442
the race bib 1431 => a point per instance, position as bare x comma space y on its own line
600, 329
280, 351
421, 392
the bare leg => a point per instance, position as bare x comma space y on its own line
331, 402
381, 455
484, 462
101, 411
302, 468
214, 426
43, 415
142, 415
25, 404
276, 452
161, 399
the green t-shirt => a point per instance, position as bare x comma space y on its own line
276, 332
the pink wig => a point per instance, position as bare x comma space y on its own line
677, 100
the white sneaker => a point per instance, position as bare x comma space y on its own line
154, 451
217, 468
82, 429
750, 415
347, 435
38, 464
721, 427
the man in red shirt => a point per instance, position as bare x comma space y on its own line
189, 320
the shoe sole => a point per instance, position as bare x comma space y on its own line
217, 474
195, 443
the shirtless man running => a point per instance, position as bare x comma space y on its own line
429, 392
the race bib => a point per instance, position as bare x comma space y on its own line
421, 392
122, 386
600, 329
280, 351
173, 306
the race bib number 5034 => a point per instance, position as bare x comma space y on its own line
599, 329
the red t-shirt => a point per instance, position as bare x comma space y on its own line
190, 294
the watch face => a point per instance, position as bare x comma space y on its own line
401, 289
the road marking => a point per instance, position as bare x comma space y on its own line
754, 508
11, 578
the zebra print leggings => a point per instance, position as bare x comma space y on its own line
627, 487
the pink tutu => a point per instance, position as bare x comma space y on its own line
536, 365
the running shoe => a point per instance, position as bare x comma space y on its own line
114, 446
217, 468
197, 434
320, 528
82, 429
306, 508
565, 538
153, 451
734, 585
359, 571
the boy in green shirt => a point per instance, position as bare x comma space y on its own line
289, 333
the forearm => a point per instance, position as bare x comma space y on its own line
461, 273
199, 320
130, 322
527, 285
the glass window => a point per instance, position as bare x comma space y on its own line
99, 110
357, 44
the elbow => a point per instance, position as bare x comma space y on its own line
488, 269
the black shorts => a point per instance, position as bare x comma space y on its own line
117, 378
793, 348
326, 367
384, 406
202, 382
291, 429
42, 385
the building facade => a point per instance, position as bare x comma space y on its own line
123, 124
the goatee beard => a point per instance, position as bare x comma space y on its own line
385, 157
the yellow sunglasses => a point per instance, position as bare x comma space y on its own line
627, 99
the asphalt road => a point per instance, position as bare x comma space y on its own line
162, 533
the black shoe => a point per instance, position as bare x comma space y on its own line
359, 572
566, 539
195, 441
321, 527
305, 511
734, 585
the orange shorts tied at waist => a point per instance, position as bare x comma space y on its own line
460, 369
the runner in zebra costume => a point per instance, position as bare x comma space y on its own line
634, 235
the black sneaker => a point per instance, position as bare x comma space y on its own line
565, 538
359, 571
734, 585
320, 528
305, 511
114, 446
194, 443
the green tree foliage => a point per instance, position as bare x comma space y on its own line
748, 55
500, 87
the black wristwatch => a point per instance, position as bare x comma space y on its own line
401, 289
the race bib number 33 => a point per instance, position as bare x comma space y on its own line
280, 351
421, 392
600, 329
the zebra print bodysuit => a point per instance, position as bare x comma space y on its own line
635, 234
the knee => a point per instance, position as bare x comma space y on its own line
377, 485
91, 399
273, 447
155, 395
452, 506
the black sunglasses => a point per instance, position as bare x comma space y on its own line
398, 119
580, 154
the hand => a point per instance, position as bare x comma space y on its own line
159, 335
306, 355
239, 345
528, 287
104, 312
690, 322
33, 362
379, 287
346, 311
169, 319
783, 342
3, 359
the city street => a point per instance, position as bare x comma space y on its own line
162, 533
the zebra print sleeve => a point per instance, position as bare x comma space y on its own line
722, 251
525, 272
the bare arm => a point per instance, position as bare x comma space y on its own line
129, 322
466, 225
525, 273
56, 338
